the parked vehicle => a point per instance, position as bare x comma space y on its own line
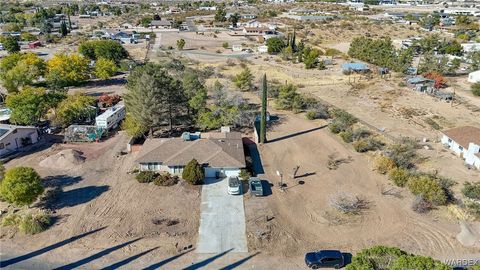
256, 187
324, 259
234, 186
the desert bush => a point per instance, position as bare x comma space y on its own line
368, 144
403, 154
399, 176
11, 219
384, 164
360, 133
420, 205
21, 186
473, 208
165, 179
382, 258
342, 120
346, 135
348, 203
146, 176
476, 89
34, 223
244, 175
471, 190
317, 111
429, 188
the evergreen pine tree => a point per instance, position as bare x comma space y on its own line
63, 29
292, 44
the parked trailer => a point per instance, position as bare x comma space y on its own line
111, 117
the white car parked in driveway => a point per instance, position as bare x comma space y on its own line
234, 186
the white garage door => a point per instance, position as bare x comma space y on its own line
231, 172
211, 172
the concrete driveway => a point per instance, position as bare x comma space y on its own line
222, 219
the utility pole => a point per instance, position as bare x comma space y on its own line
263, 119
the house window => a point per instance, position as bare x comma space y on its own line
151, 166
461, 148
449, 140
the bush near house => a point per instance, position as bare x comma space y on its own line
165, 179
146, 176
193, 173
476, 89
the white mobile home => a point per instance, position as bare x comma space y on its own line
111, 117
474, 77
465, 143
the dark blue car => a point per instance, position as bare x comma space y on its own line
324, 259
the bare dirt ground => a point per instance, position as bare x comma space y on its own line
101, 194
300, 219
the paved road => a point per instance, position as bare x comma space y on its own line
222, 220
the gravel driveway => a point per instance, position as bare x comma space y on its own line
222, 219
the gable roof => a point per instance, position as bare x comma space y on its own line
214, 149
464, 135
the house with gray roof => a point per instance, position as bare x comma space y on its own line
220, 153
13, 138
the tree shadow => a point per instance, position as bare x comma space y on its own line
239, 262
296, 134
267, 188
60, 180
57, 198
167, 260
206, 261
128, 260
46, 249
96, 255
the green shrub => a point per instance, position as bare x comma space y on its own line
429, 188
21, 186
471, 190
34, 223
165, 179
244, 175
360, 133
403, 154
342, 120
146, 176
225, 45
347, 136
384, 165
473, 208
399, 176
381, 257
193, 173
11, 219
365, 145
476, 89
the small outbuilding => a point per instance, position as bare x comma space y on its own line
357, 67
421, 84
474, 77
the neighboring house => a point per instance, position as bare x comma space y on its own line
220, 153
354, 67
421, 84
465, 143
13, 138
165, 24
474, 77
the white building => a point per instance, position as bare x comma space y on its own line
237, 48
471, 47
220, 153
13, 138
465, 143
474, 77
111, 117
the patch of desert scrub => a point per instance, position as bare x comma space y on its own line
383, 165
348, 203
399, 176
34, 223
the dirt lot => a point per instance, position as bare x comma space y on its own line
100, 193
